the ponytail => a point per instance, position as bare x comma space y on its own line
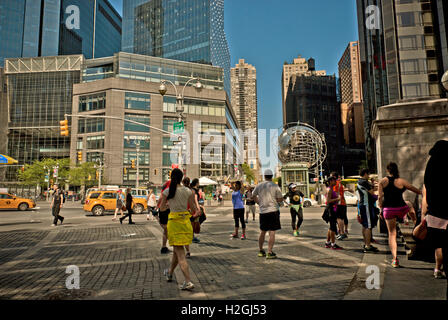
393, 170
176, 178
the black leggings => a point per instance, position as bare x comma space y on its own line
238, 215
299, 215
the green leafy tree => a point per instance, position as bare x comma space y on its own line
34, 174
250, 176
80, 175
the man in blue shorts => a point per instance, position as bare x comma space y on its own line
367, 213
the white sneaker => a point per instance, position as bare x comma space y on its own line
53, 225
187, 286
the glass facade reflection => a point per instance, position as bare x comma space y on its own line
38, 100
31, 28
186, 30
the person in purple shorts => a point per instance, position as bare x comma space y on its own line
332, 202
392, 204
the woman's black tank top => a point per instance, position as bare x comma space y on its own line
393, 196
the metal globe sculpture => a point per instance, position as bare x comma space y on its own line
303, 144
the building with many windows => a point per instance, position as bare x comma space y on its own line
126, 86
403, 53
352, 115
30, 28
39, 94
187, 30
244, 101
3, 120
311, 98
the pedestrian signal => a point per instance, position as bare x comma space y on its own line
133, 164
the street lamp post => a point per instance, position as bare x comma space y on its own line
137, 144
179, 106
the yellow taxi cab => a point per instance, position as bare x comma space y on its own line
9, 201
98, 202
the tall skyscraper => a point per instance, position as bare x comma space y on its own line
187, 30
403, 52
310, 97
351, 96
31, 28
300, 66
244, 101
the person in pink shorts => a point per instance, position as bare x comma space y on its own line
390, 200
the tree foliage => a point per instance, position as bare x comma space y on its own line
34, 174
250, 176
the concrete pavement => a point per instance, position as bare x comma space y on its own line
124, 261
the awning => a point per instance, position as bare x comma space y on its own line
7, 160
204, 181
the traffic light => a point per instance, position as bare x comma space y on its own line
64, 128
97, 175
155, 172
79, 156
125, 170
133, 164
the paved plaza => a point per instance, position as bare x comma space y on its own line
124, 261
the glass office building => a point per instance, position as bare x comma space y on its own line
187, 30
404, 58
30, 28
40, 94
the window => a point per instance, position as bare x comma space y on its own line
109, 195
407, 19
131, 175
94, 195
130, 142
92, 102
91, 125
79, 144
168, 124
96, 142
166, 160
128, 126
137, 101
143, 157
167, 143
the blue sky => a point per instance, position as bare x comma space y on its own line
266, 33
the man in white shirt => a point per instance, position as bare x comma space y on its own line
268, 196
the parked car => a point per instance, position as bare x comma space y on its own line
99, 202
9, 201
307, 202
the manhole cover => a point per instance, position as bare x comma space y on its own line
69, 294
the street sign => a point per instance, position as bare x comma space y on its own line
178, 127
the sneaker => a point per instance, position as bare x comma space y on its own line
395, 263
243, 237
373, 241
271, 255
336, 247
53, 225
196, 240
296, 233
371, 249
169, 277
247, 221
164, 250
262, 254
342, 236
327, 245
62, 219
187, 286
339, 237
234, 236
439, 274
188, 255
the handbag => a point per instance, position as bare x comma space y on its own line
326, 215
421, 231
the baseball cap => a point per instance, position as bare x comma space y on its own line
268, 172
292, 186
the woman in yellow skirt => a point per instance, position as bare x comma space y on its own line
180, 230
